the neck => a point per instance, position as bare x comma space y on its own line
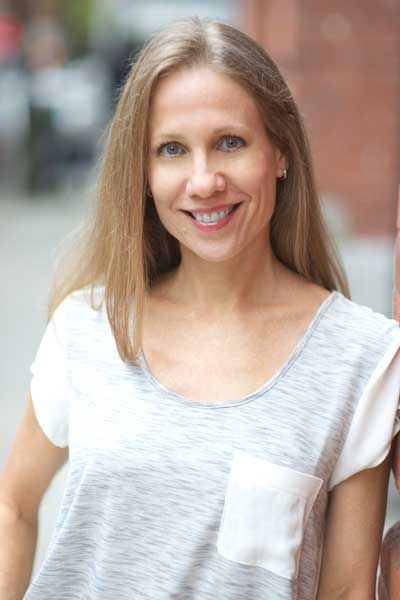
217, 288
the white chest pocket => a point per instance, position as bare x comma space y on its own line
265, 514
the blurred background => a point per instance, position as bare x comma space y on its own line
62, 65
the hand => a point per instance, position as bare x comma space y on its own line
396, 315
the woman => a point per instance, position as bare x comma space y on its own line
227, 409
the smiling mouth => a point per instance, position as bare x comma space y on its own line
235, 207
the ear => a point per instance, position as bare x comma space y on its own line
281, 162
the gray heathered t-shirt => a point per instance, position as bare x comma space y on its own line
168, 498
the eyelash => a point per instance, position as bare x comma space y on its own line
225, 137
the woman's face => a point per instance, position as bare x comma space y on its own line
208, 150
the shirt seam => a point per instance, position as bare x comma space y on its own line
266, 387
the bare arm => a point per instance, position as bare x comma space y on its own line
31, 465
353, 535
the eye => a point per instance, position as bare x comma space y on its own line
228, 144
170, 149
231, 142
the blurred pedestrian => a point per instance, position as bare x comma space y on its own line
45, 52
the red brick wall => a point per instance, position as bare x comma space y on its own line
342, 63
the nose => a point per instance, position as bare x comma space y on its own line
204, 183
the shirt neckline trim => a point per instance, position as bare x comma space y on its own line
266, 386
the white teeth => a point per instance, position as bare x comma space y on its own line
212, 217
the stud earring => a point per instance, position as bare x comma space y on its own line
148, 191
284, 175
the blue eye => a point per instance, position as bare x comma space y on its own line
170, 149
232, 142
228, 144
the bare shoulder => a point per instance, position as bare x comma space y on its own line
317, 294
303, 294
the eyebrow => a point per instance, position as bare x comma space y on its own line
216, 131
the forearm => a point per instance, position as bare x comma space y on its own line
359, 590
349, 595
17, 551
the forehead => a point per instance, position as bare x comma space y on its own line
201, 95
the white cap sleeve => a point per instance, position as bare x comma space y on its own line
376, 420
49, 381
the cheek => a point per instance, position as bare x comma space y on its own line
164, 182
166, 190
254, 173
265, 162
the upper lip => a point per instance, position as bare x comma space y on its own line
211, 209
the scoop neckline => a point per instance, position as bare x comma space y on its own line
267, 385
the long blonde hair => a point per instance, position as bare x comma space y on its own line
126, 248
